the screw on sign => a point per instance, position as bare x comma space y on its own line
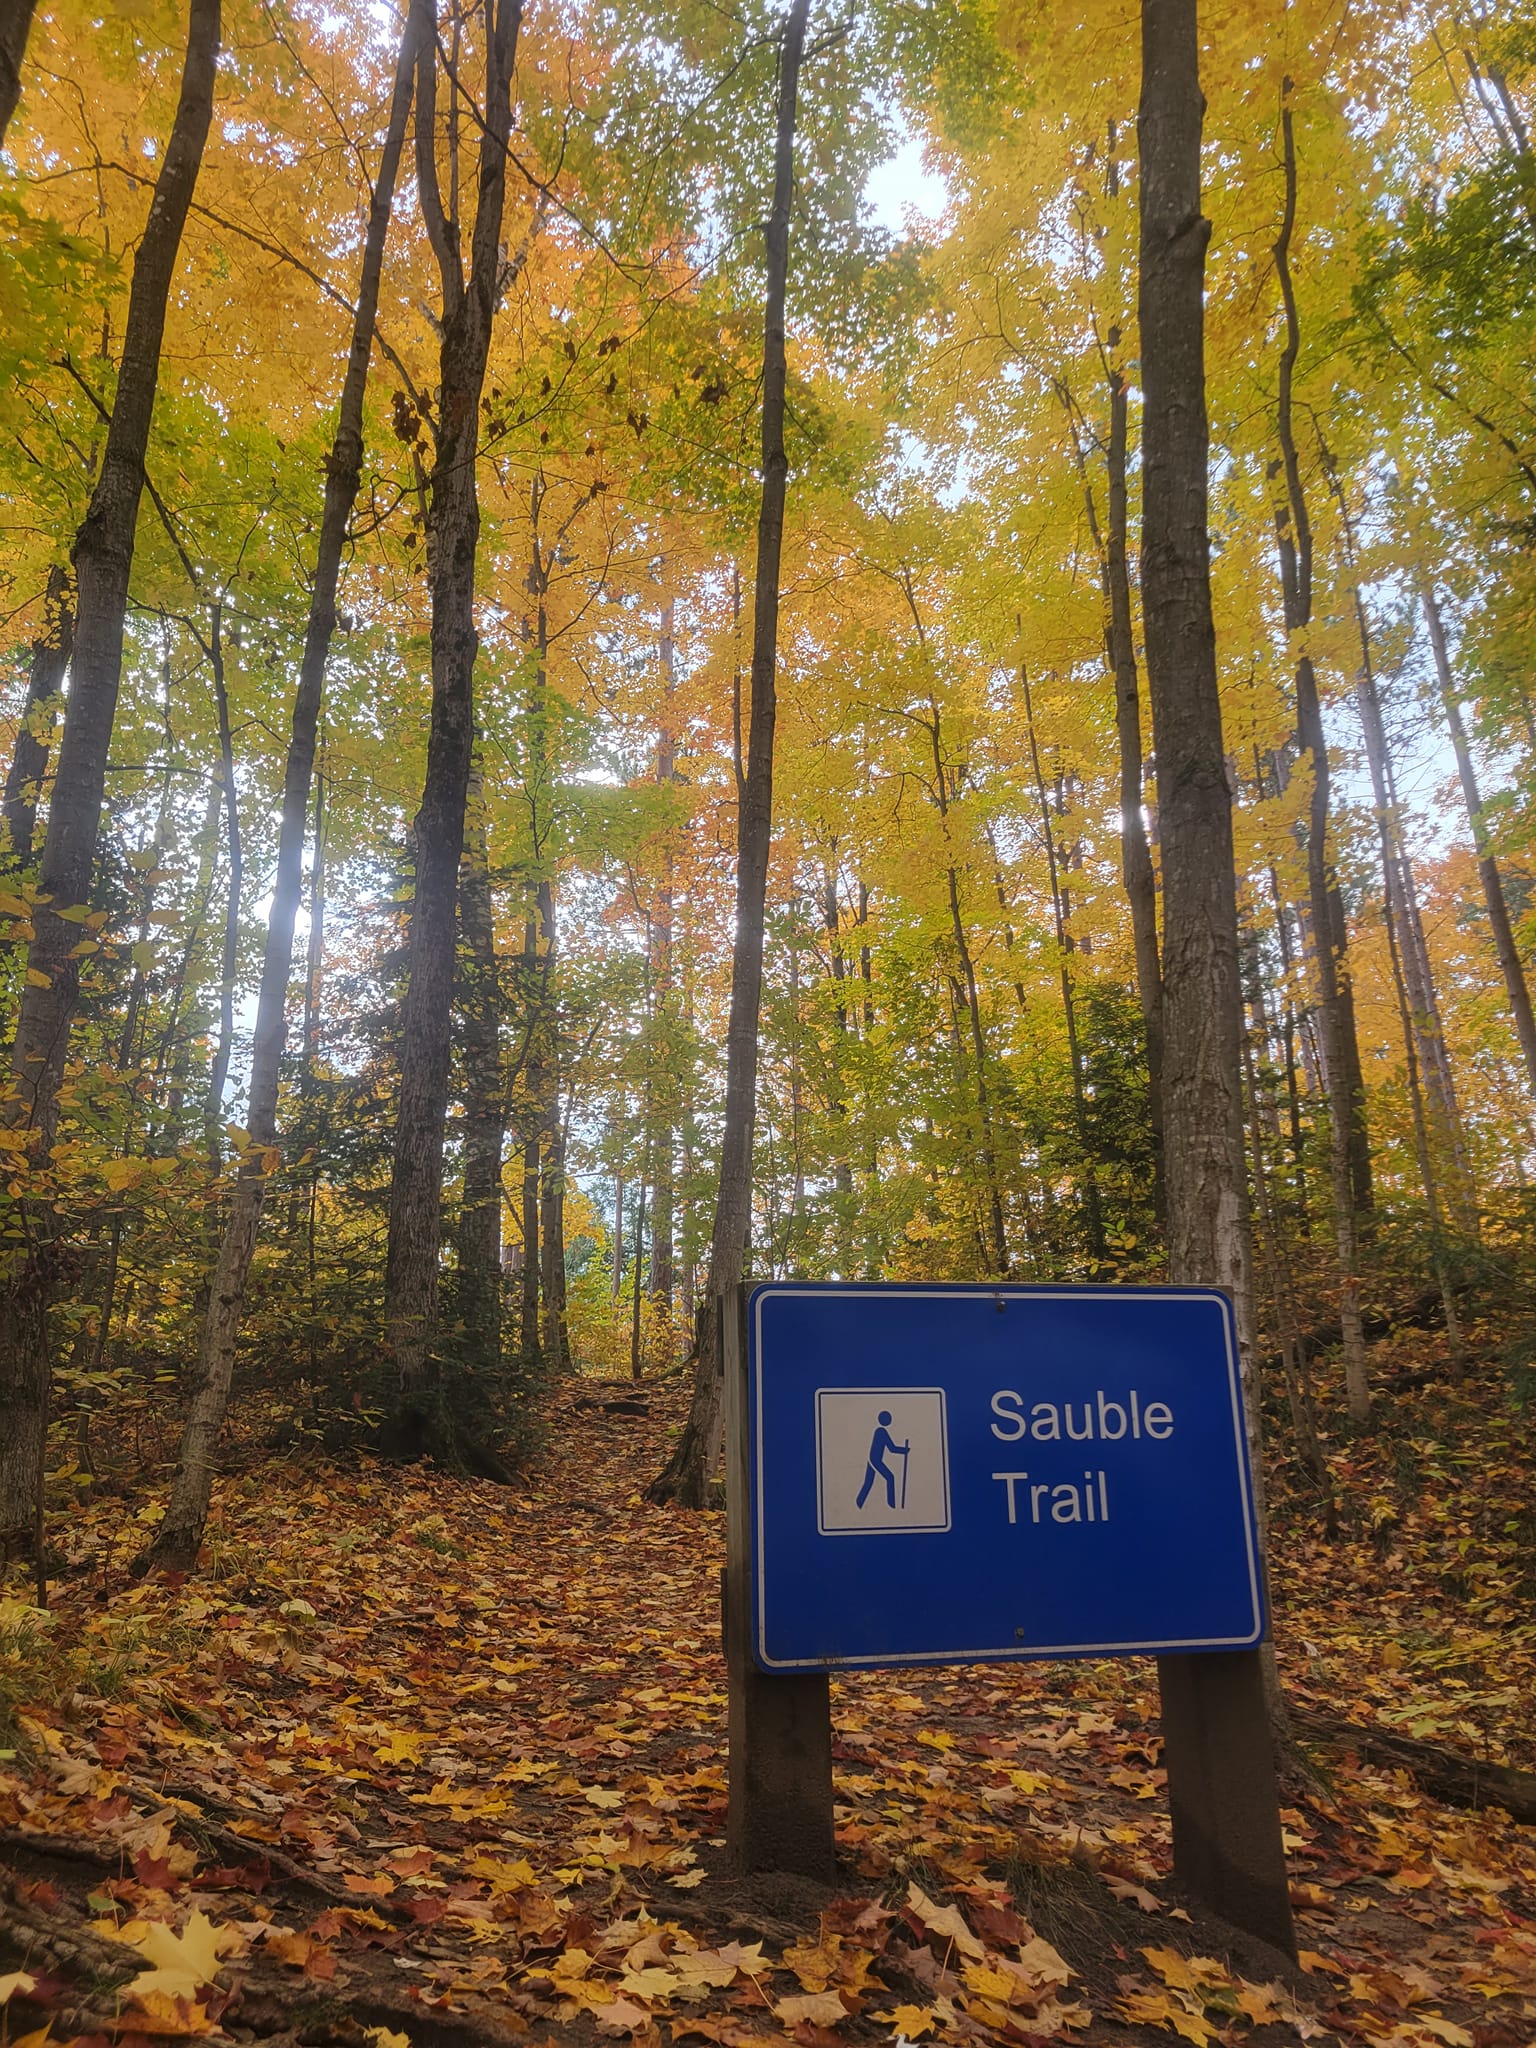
923, 1474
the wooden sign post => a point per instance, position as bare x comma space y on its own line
779, 1815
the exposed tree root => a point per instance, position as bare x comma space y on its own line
1443, 1773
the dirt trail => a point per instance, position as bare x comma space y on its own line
447, 1759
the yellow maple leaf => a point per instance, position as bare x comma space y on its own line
161, 2011
180, 1963
910, 2021
1443, 2029
991, 1983
1257, 2002
1157, 2009
404, 1746
1186, 1973
650, 1982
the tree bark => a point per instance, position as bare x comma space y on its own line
1208, 1241
687, 1473
1510, 966
479, 1002
663, 1275
103, 560
229, 959
1135, 854
180, 1535
528, 1305
1202, 1064
15, 27
1346, 1108
314, 952
453, 532
29, 758
1093, 1215
552, 1233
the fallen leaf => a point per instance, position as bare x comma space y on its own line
944, 1920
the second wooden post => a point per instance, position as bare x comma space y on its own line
780, 1770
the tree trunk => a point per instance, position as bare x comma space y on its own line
663, 1274
1135, 854
687, 1473
528, 1305
180, 1535
1202, 998
552, 1232
616, 1277
1202, 1064
1508, 954
479, 995
29, 759
314, 952
15, 26
453, 531
1283, 1294
1444, 1145
103, 560
1092, 1211
218, 1072
1346, 1109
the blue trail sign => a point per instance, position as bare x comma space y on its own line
953, 1474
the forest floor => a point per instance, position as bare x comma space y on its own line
428, 1762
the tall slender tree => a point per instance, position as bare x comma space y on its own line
686, 1476
1516, 987
180, 1535
1226, 1821
1349, 1150
453, 532
103, 563
479, 1004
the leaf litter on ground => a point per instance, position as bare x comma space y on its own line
429, 1758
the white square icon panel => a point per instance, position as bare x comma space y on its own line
882, 1461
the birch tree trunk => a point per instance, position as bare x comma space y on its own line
180, 1535
103, 561
686, 1477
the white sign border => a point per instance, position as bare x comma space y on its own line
1011, 1652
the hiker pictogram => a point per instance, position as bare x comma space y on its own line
881, 1442
882, 1461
